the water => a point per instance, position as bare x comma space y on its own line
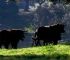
27, 41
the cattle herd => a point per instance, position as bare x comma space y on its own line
47, 34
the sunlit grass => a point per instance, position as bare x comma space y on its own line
60, 49
53, 52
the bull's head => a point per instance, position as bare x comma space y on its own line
60, 28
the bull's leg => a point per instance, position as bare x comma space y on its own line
6, 46
38, 43
44, 42
0, 45
55, 42
14, 45
33, 41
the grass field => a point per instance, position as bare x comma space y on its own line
50, 52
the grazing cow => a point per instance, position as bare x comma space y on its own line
12, 37
49, 34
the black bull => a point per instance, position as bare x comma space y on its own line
11, 37
49, 34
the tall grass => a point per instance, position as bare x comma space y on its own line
50, 52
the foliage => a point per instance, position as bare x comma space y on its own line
29, 28
48, 14
63, 1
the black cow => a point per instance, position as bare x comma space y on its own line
50, 34
16, 35
4, 38
12, 37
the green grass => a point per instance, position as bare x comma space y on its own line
50, 52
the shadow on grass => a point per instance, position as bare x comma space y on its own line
37, 57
